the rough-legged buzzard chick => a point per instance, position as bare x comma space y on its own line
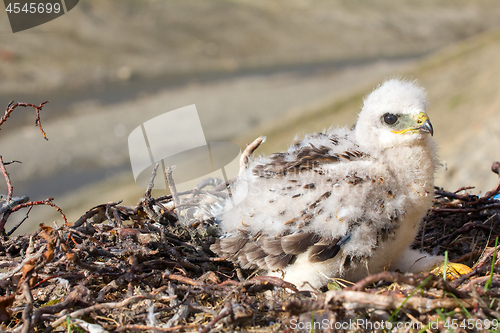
344, 203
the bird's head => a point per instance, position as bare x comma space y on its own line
394, 115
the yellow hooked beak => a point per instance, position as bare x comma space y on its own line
416, 124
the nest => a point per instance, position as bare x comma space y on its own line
131, 269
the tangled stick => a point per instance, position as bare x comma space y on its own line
47, 202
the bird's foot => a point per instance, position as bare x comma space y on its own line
453, 270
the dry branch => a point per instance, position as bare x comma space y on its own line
360, 300
6, 175
14, 204
87, 310
11, 106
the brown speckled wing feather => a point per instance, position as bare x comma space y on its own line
273, 253
304, 158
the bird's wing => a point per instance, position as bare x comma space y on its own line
272, 253
305, 155
318, 197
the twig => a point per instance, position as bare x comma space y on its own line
28, 310
118, 219
269, 282
177, 328
108, 209
147, 207
464, 188
21, 222
357, 300
171, 184
477, 204
226, 311
464, 229
467, 256
383, 276
495, 167
487, 255
88, 214
472, 282
247, 152
151, 182
9, 206
87, 310
7, 275
410, 280
72, 257
13, 203
47, 202
79, 294
183, 279
466, 210
6, 175
11, 106
147, 202
466, 197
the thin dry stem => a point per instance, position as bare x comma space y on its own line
11, 106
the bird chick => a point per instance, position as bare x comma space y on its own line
343, 203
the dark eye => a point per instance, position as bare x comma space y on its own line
390, 119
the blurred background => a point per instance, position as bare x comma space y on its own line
279, 68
